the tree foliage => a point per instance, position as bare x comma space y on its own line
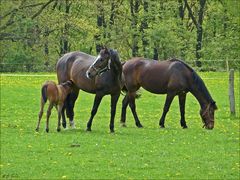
36, 33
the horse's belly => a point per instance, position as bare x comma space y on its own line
153, 84
155, 89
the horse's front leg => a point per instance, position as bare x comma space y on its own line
125, 103
97, 101
114, 100
167, 104
182, 101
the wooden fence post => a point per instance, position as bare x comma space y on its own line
231, 92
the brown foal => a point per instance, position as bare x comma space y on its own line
56, 95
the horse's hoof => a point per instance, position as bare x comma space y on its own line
89, 129
184, 127
64, 125
140, 126
47, 130
111, 130
72, 125
58, 129
37, 129
123, 124
162, 126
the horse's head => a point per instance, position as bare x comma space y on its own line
207, 114
101, 64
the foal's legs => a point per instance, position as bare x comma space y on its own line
167, 104
97, 101
114, 100
60, 107
40, 114
131, 97
48, 115
182, 100
125, 103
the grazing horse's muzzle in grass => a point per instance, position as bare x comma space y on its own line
207, 115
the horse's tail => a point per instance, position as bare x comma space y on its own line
44, 93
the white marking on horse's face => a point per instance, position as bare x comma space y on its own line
90, 67
97, 58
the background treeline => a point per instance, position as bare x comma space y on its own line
35, 33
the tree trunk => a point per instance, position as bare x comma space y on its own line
155, 53
134, 6
64, 44
198, 25
100, 23
46, 48
144, 25
200, 33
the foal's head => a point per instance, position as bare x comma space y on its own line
101, 64
207, 115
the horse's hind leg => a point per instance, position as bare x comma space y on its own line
40, 114
125, 103
167, 104
48, 115
131, 97
64, 124
60, 107
97, 101
182, 101
70, 102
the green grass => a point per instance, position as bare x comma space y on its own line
129, 153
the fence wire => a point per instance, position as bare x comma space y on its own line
206, 65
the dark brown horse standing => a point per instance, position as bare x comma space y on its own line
172, 77
99, 75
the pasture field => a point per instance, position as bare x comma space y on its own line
129, 153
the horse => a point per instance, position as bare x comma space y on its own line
172, 77
56, 95
101, 75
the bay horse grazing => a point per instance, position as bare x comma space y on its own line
56, 95
99, 75
172, 77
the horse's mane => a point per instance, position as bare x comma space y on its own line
116, 60
197, 80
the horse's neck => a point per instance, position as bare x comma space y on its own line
201, 97
116, 67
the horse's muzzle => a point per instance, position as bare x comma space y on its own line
209, 126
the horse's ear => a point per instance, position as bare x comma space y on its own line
105, 48
214, 105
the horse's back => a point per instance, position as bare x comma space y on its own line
78, 72
65, 64
51, 91
155, 76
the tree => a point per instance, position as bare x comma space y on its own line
198, 24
